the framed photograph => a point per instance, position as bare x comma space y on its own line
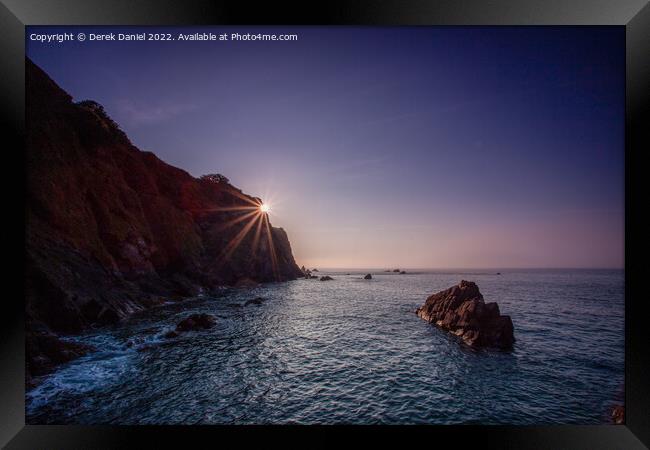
391, 218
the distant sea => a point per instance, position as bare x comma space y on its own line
352, 351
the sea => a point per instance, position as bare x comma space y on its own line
352, 351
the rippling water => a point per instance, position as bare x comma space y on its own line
353, 351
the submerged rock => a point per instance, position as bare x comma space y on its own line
326, 278
368, 277
196, 322
255, 301
403, 272
461, 310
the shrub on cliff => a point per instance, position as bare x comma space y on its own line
216, 178
103, 117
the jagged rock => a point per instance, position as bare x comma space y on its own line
44, 351
368, 277
326, 278
196, 322
256, 301
462, 311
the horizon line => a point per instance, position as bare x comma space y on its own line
464, 268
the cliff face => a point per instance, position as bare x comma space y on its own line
111, 230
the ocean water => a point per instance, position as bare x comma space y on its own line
352, 351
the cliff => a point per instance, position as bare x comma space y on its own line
111, 230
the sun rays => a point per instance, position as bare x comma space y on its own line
254, 217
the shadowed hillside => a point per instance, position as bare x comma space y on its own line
112, 230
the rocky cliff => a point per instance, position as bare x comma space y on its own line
111, 230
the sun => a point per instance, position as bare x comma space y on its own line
265, 207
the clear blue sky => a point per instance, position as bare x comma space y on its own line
385, 147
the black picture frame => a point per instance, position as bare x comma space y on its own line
634, 15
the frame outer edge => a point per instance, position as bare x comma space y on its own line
12, 114
637, 359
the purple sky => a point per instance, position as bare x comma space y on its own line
442, 147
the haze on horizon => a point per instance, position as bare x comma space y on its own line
450, 147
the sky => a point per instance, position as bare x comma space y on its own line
410, 147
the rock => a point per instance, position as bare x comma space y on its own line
314, 270
246, 283
498, 273
196, 322
396, 270
326, 278
461, 310
368, 277
306, 272
45, 351
403, 272
256, 301
618, 415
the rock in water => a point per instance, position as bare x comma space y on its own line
326, 278
462, 311
196, 322
618, 415
256, 301
368, 277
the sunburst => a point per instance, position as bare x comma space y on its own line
251, 217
